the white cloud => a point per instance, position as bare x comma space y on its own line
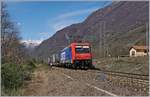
63, 23
76, 13
59, 26
44, 33
69, 18
19, 23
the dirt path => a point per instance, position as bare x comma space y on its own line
54, 82
38, 84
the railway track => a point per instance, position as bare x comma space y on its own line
140, 77
92, 86
133, 82
122, 74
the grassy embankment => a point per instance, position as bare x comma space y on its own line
137, 65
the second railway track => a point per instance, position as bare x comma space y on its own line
134, 82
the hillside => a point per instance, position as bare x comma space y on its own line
119, 26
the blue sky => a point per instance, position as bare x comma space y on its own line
40, 20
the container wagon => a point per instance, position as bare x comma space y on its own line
54, 59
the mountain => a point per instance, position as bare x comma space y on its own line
30, 43
110, 30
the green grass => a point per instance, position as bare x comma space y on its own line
12, 92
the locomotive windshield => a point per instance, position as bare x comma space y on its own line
82, 49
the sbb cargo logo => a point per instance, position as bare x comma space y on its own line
63, 56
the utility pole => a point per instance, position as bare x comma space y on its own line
67, 37
102, 39
104, 42
147, 36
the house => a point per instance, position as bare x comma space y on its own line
138, 51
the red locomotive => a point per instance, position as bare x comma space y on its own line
76, 55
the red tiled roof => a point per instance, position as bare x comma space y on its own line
140, 47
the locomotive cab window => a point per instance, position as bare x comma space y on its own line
82, 49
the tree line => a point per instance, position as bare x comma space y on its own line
16, 64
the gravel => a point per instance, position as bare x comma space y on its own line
57, 82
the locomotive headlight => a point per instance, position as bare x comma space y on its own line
78, 46
85, 46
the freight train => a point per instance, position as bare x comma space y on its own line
76, 55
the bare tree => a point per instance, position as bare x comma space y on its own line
12, 49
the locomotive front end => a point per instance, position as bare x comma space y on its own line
83, 56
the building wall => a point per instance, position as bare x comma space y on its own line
136, 53
141, 54
130, 53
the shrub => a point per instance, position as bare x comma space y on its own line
28, 68
31, 65
12, 76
